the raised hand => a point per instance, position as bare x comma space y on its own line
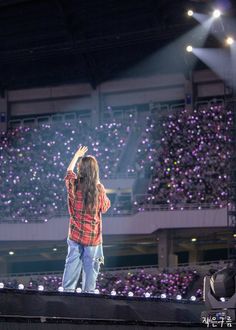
81, 151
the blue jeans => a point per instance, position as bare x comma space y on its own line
81, 257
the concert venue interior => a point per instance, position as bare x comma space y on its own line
150, 88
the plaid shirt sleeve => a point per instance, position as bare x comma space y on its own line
104, 201
70, 176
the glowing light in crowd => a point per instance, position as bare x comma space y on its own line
11, 253
40, 288
21, 286
178, 297
194, 239
193, 298
1, 285
145, 287
96, 291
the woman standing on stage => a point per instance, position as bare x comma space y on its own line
87, 199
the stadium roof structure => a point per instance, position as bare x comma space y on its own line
65, 41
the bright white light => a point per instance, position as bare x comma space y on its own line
178, 297
229, 41
130, 294
193, 298
189, 48
190, 12
222, 299
96, 291
1, 285
113, 293
11, 253
21, 287
40, 288
60, 289
147, 294
163, 296
216, 13
78, 290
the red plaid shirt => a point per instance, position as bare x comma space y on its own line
85, 228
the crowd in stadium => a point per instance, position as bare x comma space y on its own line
137, 283
34, 162
190, 162
186, 154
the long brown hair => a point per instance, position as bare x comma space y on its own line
87, 180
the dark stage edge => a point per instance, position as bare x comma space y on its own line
61, 310
22, 323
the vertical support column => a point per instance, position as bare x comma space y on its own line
189, 93
166, 256
95, 102
3, 113
194, 255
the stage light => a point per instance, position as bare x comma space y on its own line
219, 294
21, 286
223, 283
193, 298
78, 290
229, 41
216, 13
60, 289
163, 296
147, 295
1, 285
178, 297
189, 48
113, 293
193, 239
130, 294
40, 288
11, 253
190, 12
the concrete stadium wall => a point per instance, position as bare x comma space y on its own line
141, 223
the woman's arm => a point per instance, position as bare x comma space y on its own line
79, 153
